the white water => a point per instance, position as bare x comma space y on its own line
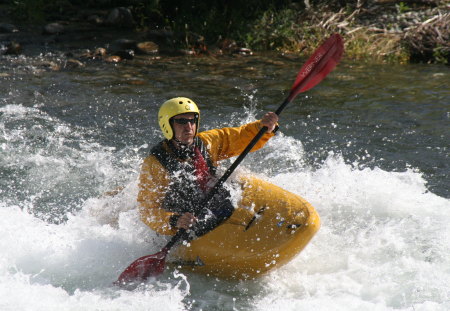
384, 242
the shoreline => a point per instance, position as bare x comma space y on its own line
371, 35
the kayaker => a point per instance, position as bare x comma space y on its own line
182, 168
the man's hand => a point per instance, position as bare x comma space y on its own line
269, 120
186, 221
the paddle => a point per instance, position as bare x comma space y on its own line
318, 66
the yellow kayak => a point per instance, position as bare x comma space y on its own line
269, 227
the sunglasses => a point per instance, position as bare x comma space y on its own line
184, 121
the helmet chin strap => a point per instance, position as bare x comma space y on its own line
183, 145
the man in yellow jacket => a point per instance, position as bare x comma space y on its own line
182, 168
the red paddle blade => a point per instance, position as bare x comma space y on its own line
319, 65
144, 267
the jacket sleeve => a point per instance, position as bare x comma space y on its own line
153, 185
231, 141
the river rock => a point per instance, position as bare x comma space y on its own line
95, 19
124, 44
184, 52
147, 47
120, 17
100, 52
113, 59
53, 29
227, 46
8, 28
243, 51
73, 63
125, 54
88, 54
11, 48
85, 53
50, 65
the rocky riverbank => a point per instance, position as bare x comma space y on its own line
381, 31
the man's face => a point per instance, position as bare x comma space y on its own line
184, 127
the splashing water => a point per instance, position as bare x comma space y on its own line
384, 241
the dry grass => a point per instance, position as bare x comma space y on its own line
368, 42
382, 47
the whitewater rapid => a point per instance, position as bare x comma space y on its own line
384, 243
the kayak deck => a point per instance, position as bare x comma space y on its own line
269, 227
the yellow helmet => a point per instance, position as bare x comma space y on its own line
173, 107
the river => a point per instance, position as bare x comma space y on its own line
368, 147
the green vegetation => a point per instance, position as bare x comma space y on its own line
402, 7
29, 10
273, 30
441, 54
40, 11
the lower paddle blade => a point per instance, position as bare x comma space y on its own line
143, 268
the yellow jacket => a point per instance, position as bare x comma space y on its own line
154, 179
